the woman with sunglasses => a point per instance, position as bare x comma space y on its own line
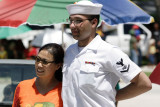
45, 89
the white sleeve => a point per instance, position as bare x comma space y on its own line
123, 67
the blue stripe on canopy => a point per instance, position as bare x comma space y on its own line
122, 11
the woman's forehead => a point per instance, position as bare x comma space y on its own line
45, 54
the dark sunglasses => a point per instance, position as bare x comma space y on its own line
43, 61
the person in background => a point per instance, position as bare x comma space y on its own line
45, 89
138, 38
30, 52
99, 31
136, 32
12, 51
156, 31
134, 53
156, 36
152, 52
92, 67
158, 52
3, 52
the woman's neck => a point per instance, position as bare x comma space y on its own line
45, 85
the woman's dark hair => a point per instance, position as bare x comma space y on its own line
58, 54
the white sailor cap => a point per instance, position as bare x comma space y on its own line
84, 7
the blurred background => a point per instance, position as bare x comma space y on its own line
19, 46
19, 42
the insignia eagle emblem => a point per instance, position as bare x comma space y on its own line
125, 68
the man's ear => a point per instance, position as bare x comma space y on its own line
94, 22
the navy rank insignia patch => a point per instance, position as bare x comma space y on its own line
124, 67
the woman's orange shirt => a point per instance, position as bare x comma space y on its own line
27, 95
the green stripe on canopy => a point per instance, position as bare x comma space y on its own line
47, 12
10, 31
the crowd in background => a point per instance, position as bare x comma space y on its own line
14, 49
153, 56
156, 42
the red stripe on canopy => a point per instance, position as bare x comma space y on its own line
15, 9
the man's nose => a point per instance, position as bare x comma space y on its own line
72, 24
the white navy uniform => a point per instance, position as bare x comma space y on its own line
90, 76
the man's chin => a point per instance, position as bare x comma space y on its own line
75, 37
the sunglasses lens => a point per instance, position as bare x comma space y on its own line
44, 62
37, 59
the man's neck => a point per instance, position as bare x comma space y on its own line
83, 43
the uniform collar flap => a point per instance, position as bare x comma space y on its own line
93, 45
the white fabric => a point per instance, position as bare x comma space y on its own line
80, 48
84, 7
55, 36
92, 83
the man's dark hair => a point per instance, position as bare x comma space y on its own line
94, 17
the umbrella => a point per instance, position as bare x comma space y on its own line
47, 12
52, 36
36, 12
122, 11
8, 31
